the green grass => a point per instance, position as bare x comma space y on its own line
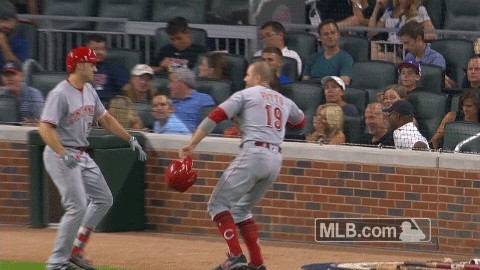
15, 265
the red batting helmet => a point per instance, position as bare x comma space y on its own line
179, 175
80, 55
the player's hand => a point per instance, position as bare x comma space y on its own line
70, 160
185, 151
142, 156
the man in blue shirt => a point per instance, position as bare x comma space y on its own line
30, 99
274, 58
188, 102
109, 78
13, 47
166, 121
331, 60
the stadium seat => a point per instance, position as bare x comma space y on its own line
74, 8
161, 83
429, 111
161, 38
432, 79
308, 96
220, 127
238, 67
455, 132
193, 10
373, 74
124, 57
436, 11
455, 103
372, 95
29, 31
357, 97
219, 90
9, 110
289, 68
456, 53
132, 10
462, 15
143, 110
228, 12
358, 47
305, 44
46, 81
352, 128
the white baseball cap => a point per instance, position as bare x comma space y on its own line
141, 69
336, 79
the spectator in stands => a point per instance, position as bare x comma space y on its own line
331, 60
377, 126
468, 111
393, 93
405, 133
273, 34
110, 78
13, 47
328, 125
213, 65
334, 90
30, 7
166, 121
122, 108
274, 58
181, 52
472, 79
398, 14
188, 102
140, 88
30, 99
412, 37
361, 11
409, 73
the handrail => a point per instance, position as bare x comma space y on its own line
467, 140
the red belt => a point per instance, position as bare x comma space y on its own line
79, 148
268, 145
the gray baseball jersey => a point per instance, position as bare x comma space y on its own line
73, 112
262, 115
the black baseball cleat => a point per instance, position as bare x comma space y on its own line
233, 262
80, 262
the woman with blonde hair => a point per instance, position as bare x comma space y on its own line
140, 88
392, 93
328, 125
122, 108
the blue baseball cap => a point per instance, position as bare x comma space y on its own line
410, 63
402, 107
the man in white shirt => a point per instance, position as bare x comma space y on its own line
405, 133
273, 34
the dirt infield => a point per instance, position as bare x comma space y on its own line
157, 251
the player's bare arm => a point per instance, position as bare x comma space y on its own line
5, 48
111, 124
50, 137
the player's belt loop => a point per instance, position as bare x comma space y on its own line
269, 146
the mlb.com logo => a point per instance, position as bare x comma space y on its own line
373, 230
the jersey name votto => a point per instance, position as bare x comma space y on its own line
276, 99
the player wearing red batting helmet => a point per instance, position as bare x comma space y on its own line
70, 111
80, 55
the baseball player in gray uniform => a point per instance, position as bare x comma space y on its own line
262, 114
70, 111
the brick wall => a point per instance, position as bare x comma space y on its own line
315, 182
14, 183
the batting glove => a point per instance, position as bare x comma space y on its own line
142, 156
69, 160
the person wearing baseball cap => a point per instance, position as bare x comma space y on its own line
13, 47
334, 90
409, 73
30, 99
405, 134
140, 88
71, 110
